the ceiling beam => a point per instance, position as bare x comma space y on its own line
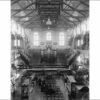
14, 2
15, 10
19, 20
76, 0
71, 15
26, 14
34, 23
68, 19
32, 27
66, 23
44, 16
84, 3
23, 9
34, 18
30, 20
24, 22
74, 9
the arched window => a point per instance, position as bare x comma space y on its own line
13, 27
78, 42
15, 42
36, 39
48, 36
19, 43
61, 39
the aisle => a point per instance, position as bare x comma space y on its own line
36, 94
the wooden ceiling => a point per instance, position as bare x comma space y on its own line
61, 13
